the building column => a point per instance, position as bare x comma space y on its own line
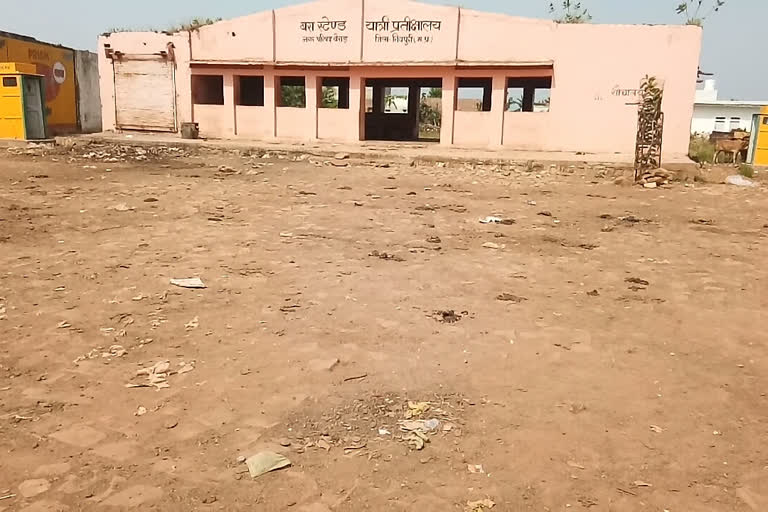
229, 103
413, 108
270, 98
313, 91
498, 106
448, 109
344, 95
357, 104
379, 98
528, 99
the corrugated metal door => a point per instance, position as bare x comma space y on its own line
145, 94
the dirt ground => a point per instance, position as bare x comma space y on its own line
606, 351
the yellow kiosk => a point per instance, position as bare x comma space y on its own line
758, 151
22, 102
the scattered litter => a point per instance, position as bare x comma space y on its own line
640, 483
192, 324
739, 181
497, 220
656, 429
384, 432
171, 424
594, 293
424, 426
637, 280
115, 351
491, 245
191, 282
574, 464
447, 317
356, 377
285, 443
385, 256
122, 207
545, 213
479, 506
185, 368
157, 375
63, 324
650, 185
265, 462
416, 409
508, 297
7, 496
416, 440
434, 239
92, 354
325, 445
475, 469
341, 156
141, 411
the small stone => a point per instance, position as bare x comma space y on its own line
650, 185
30, 488
241, 459
341, 156
169, 424
491, 245
209, 500
285, 442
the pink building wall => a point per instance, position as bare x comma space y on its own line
596, 71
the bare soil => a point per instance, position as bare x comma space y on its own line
606, 351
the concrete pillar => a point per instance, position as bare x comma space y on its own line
498, 106
344, 95
270, 98
379, 98
229, 103
313, 90
357, 104
528, 97
487, 98
448, 107
413, 108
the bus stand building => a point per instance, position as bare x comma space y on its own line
358, 70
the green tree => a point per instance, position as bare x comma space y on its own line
330, 99
696, 11
435, 92
568, 11
293, 96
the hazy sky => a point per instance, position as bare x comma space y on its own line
732, 38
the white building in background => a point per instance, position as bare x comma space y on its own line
713, 115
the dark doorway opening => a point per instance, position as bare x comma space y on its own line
402, 109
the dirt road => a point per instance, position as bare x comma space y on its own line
604, 351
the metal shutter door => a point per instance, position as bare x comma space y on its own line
145, 96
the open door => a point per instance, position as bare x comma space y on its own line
34, 107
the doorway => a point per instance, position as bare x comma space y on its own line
403, 109
34, 107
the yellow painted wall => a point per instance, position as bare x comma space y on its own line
57, 65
